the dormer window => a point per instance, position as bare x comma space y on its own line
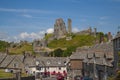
48, 62
37, 63
59, 62
15, 65
65, 63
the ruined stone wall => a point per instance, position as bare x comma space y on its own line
59, 29
69, 26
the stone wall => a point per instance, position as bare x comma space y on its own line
59, 29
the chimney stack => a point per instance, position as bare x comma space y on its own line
109, 36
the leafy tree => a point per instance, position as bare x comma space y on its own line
58, 52
3, 46
69, 51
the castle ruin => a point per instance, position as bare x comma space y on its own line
59, 29
69, 26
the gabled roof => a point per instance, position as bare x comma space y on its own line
52, 61
2, 57
29, 61
20, 57
99, 51
118, 35
78, 55
7, 61
16, 63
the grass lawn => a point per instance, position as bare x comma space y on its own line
4, 74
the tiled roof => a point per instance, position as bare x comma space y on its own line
7, 61
118, 35
100, 50
2, 57
80, 55
52, 61
29, 61
21, 57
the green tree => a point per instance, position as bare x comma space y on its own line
3, 46
69, 51
58, 52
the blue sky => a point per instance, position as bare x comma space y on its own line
30, 19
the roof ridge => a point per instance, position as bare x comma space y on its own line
11, 61
3, 59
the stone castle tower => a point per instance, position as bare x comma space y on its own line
69, 26
59, 29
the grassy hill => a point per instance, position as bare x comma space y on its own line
63, 47
21, 48
68, 46
77, 41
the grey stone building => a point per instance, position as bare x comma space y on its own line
95, 61
116, 44
39, 45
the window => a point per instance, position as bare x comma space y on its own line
38, 68
59, 62
37, 62
59, 68
15, 65
48, 61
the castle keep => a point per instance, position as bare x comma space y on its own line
60, 28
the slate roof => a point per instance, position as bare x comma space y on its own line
7, 61
2, 57
99, 50
29, 61
20, 57
16, 63
52, 61
118, 35
79, 55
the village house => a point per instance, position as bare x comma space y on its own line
51, 65
11, 63
116, 44
94, 61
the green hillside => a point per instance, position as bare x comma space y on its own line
77, 41
63, 47
21, 48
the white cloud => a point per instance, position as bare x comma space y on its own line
50, 30
32, 35
24, 35
74, 30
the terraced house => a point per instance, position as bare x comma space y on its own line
116, 44
95, 62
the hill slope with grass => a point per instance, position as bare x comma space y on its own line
76, 41
68, 46
19, 49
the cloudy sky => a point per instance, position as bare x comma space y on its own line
30, 19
